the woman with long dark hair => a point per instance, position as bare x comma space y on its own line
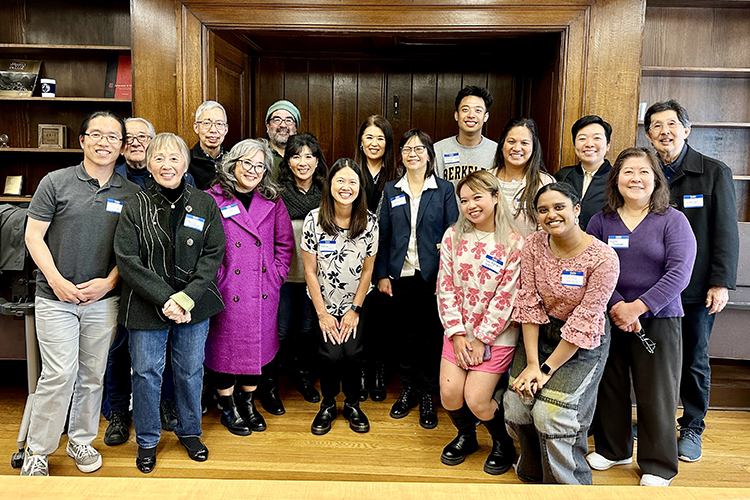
415, 213
339, 244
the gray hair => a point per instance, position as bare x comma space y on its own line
206, 105
151, 130
162, 140
267, 186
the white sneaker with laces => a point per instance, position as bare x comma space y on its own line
34, 465
652, 480
86, 457
598, 462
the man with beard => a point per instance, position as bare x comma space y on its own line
282, 120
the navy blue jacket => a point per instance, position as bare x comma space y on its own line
437, 212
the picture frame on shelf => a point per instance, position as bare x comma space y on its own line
13, 185
18, 77
53, 135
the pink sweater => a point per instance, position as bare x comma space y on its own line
476, 300
583, 308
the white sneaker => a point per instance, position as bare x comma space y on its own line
34, 465
598, 462
86, 457
651, 480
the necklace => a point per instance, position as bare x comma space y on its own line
479, 240
560, 254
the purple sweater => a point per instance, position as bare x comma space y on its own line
656, 264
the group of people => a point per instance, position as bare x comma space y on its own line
527, 302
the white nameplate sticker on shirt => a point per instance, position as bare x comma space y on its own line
114, 206
327, 246
194, 222
493, 264
451, 159
230, 211
619, 241
692, 201
572, 278
399, 200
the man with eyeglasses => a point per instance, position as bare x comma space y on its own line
212, 127
282, 120
70, 232
117, 389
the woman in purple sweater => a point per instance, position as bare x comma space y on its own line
657, 249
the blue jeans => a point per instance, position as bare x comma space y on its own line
148, 350
695, 385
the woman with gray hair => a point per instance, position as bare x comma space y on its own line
243, 338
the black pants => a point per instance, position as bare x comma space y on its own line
378, 307
656, 383
415, 324
340, 364
224, 381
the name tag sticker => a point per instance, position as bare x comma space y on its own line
572, 278
194, 222
114, 206
493, 264
399, 200
451, 159
230, 211
327, 246
692, 201
619, 241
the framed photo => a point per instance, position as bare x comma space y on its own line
53, 135
18, 77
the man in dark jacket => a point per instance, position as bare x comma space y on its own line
703, 189
212, 127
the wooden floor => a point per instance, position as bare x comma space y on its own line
393, 451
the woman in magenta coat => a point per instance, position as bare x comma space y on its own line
243, 338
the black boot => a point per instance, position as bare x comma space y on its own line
306, 387
251, 415
427, 415
326, 415
466, 442
268, 391
503, 452
377, 385
405, 402
362, 383
357, 419
231, 419
168, 414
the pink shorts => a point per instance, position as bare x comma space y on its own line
501, 356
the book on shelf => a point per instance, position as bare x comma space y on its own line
119, 81
13, 185
18, 77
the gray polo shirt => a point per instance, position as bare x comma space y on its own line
83, 217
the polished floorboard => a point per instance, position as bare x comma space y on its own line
393, 451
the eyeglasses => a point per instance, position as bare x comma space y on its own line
249, 166
207, 124
417, 149
649, 344
96, 137
142, 138
276, 120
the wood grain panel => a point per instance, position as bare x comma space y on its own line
742, 189
208, 4
370, 90
423, 107
706, 99
344, 109
80, 22
269, 88
447, 87
503, 90
540, 100
192, 73
229, 87
296, 88
12, 22
321, 105
399, 85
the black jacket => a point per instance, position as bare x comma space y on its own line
203, 167
154, 266
714, 224
593, 202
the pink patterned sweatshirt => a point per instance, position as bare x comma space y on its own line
591, 277
477, 284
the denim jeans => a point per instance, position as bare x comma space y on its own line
73, 343
553, 429
695, 385
148, 349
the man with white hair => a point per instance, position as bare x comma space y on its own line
211, 126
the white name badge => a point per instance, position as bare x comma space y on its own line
493, 264
619, 241
114, 206
399, 200
194, 222
692, 201
230, 211
572, 278
327, 246
451, 159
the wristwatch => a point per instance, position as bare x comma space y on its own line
356, 309
545, 368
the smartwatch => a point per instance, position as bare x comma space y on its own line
545, 368
356, 309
